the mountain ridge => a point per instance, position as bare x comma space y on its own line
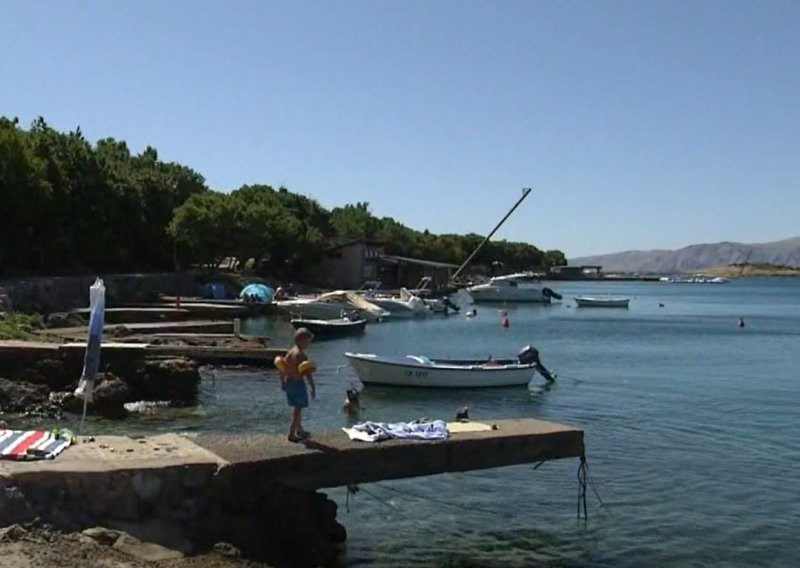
696, 257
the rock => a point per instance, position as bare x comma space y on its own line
146, 551
65, 319
12, 533
19, 396
108, 398
14, 506
53, 373
227, 550
176, 380
102, 535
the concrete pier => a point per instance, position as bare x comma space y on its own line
333, 460
327, 460
257, 492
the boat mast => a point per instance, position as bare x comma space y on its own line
525, 192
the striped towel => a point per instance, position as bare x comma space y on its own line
31, 445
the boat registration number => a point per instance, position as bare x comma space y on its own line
416, 373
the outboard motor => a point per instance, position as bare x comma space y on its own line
530, 356
449, 305
549, 293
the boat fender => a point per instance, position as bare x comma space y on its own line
280, 364
306, 368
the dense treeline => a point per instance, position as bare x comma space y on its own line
69, 206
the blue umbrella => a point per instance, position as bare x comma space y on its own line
260, 291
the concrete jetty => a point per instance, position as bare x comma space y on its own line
327, 460
333, 460
257, 492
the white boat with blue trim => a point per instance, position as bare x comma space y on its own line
421, 371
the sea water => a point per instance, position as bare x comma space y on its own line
691, 431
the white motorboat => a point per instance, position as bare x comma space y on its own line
420, 371
332, 305
520, 287
406, 305
595, 302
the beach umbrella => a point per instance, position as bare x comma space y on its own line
261, 291
91, 360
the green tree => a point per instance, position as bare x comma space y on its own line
205, 228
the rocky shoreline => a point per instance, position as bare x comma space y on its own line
44, 388
37, 544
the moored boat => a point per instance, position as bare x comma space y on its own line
520, 287
420, 371
405, 305
331, 328
332, 305
594, 302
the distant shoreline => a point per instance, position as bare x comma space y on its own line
743, 270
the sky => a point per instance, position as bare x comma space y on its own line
638, 124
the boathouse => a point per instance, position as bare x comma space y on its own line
574, 272
351, 263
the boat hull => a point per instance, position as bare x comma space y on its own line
410, 372
331, 328
496, 296
398, 308
602, 302
323, 310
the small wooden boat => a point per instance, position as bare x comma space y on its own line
420, 371
324, 329
593, 302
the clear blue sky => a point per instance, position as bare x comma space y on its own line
639, 124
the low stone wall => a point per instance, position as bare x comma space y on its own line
56, 294
190, 508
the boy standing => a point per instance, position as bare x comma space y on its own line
294, 382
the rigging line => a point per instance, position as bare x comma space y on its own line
442, 502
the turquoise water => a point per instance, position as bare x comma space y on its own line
690, 432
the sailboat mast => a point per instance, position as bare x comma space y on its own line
525, 192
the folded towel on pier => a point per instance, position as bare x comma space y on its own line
462, 427
377, 431
31, 444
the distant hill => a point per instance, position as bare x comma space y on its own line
696, 257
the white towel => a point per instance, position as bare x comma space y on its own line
377, 431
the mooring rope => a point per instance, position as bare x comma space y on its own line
582, 489
407, 493
353, 489
590, 479
574, 380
